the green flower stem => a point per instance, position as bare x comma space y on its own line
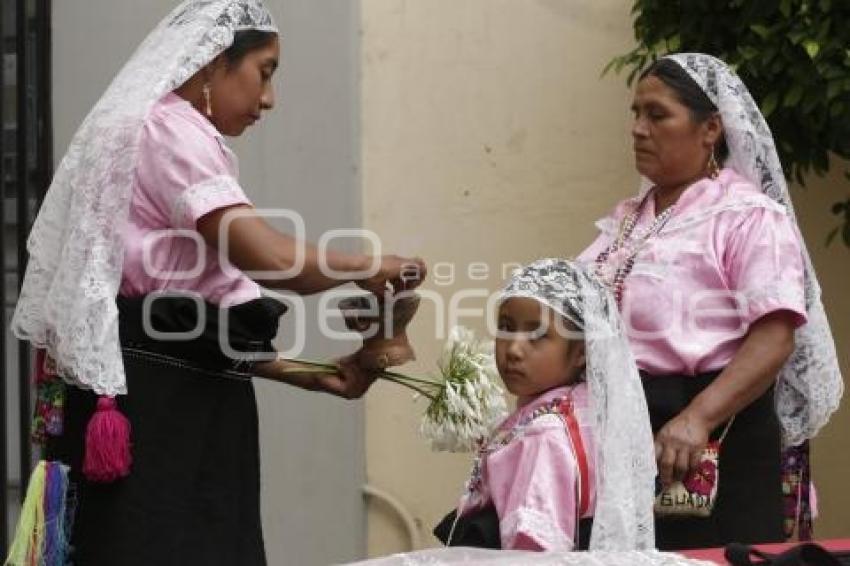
413, 379
323, 365
405, 384
401, 379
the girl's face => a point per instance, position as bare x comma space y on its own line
533, 351
240, 93
671, 149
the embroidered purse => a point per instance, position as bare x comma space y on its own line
695, 495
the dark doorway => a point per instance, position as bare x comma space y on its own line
26, 163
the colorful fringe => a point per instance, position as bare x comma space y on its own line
43, 532
796, 485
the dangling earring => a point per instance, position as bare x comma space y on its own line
713, 168
208, 99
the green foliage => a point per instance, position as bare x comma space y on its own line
793, 55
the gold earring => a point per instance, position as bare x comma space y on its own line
713, 167
208, 98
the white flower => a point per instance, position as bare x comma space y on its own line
468, 402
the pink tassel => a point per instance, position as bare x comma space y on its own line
107, 443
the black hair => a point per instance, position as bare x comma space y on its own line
689, 93
244, 42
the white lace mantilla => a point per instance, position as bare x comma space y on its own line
67, 302
810, 385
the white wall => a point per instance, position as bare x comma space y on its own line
489, 137
303, 156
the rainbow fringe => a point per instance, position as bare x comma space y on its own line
41, 538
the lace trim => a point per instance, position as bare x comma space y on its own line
776, 294
485, 557
201, 195
536, 525
610, 226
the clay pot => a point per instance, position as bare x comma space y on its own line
385, 342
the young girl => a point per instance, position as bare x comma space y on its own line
578, 450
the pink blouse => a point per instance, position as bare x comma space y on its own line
727, 256
532, 480
184, 171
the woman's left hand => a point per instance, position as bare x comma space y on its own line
679, 444
352, 381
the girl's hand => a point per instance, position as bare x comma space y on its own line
678, 446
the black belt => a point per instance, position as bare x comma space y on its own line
251, 327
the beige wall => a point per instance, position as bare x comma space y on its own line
488, 136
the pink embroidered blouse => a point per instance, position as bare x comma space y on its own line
727, 256
532, 480
184, 171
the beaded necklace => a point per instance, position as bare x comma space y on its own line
624, 249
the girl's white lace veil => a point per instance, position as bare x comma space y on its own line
67, 301
625, 454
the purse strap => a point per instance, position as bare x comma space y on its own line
566, 412
725, 430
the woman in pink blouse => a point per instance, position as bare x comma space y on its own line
707, 266
148, 200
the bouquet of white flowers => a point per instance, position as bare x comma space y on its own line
465, 400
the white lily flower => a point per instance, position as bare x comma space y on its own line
469, 401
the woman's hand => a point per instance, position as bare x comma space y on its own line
679, 444
349, 382
402, 274
769, 342
352, 381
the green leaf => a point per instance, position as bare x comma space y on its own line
785, 8
832, 234
761, 30
673, 43
748, 52
825, 5
793, 96
768, 105
812, 99
833, 89
812, 47
797, 36
609, 66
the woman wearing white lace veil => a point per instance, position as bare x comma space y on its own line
139, 206
720, 299
572, 467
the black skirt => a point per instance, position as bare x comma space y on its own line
749, 493
193, 493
